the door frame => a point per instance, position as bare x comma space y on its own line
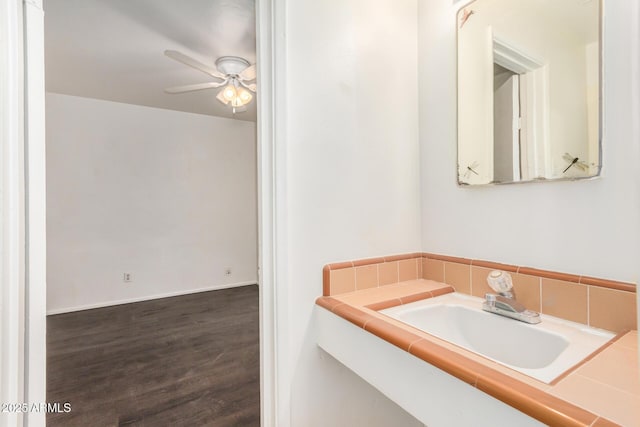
23, 211
272, 214
12, 255
23, 218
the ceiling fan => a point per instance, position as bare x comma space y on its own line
236, 78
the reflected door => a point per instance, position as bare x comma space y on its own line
506, 125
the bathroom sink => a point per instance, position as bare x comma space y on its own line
543, 351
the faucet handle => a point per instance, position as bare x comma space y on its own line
501, 282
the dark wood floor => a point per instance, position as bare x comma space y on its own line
185, 361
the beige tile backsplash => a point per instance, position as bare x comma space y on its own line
366, 276
612, 309
563, 299
458, 276
388, 273
598, 302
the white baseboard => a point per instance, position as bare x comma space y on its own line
148, 297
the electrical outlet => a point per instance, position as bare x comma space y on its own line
227, 271
127, 277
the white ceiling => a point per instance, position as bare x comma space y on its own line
114, 49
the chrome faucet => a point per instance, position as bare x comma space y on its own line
509, 307
504, 303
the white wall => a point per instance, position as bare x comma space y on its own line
167, 196
352, 179
586, 227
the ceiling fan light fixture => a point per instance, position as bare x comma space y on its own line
231, 65
220, 97
234, 95
234, 72
244, 95
229, 92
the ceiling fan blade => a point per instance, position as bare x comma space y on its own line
191, 88
187, 60
249, 73
251, 86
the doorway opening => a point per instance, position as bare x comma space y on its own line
152, 216
507, 118
520, 99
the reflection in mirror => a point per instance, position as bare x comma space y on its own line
528, 90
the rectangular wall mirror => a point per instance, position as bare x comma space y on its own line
529, 90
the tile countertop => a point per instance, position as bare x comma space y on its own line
603, 391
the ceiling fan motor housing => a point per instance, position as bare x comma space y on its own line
231, 65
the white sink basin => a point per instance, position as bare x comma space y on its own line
543, 351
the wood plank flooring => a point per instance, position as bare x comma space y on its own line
191, 360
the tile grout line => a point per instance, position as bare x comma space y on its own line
444, 272
355, 278
588, 305
540, 292
411, 345
619, 390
